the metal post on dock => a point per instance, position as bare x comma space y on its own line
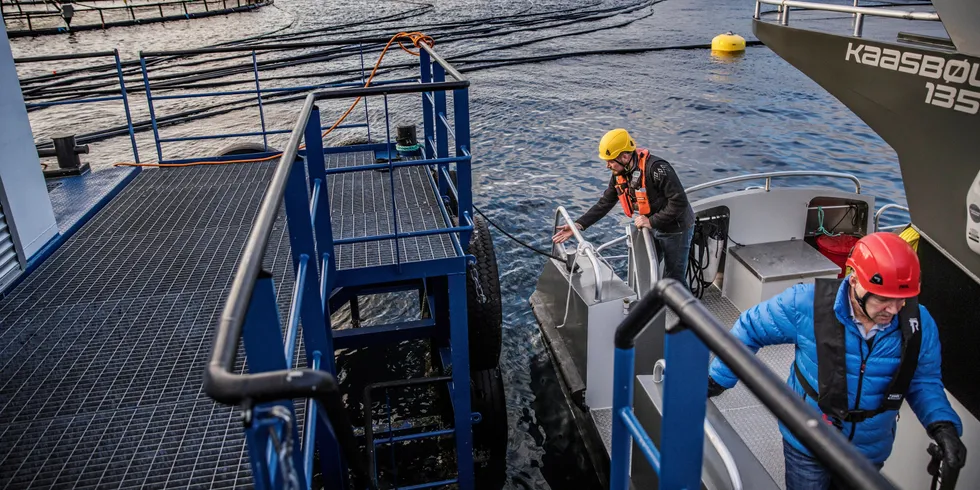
258, 96
131, 13
464, 175
391, 185
462, 410
125, 99
442, 132
320, 205
262, 337
149, 103
367, 118
428, 133
305, 264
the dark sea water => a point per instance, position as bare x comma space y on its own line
535, 129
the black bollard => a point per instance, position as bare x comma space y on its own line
66, 152
406, 140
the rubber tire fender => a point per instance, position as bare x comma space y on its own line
490, 435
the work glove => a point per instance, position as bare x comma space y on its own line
954, 452
715, 389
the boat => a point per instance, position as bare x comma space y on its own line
608, 337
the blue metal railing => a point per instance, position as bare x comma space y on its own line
250, 313
259, 95
686, 346
114, 54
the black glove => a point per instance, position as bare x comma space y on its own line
954, 452
715, 389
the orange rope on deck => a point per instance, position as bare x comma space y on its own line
415, 37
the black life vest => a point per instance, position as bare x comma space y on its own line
829, 334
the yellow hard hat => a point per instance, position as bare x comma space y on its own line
615, 142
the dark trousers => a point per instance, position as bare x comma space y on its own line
675, 248
803, 472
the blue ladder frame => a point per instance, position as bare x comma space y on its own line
276, 450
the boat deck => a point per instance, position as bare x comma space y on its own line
755, 424
103, 347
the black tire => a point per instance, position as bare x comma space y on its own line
242, 149
490, 434
485, 316
451, 205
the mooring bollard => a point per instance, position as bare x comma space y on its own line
67, 153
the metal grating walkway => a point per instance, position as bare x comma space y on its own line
102, 349
360, 205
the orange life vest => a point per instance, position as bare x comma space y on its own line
635, 199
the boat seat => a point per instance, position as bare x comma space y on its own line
763, 270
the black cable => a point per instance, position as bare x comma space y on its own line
849, 209
514, 238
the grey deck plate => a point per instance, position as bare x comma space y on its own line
102, 349
746, 414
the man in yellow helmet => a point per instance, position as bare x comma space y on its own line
649, 191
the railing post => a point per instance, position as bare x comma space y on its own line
682, 426
301, 243
619, 466
367, 117
258, 97
316, 167
459, 340
464, 174
149, 103
262, 337
425, 76
391, 186
858, 25
784, 19
442, 132
125, 99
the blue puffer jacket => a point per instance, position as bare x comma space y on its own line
788, 319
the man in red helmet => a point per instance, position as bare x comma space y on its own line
863, 346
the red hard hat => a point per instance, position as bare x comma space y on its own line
885, 265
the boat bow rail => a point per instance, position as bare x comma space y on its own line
678, 459
784, 7
250, 314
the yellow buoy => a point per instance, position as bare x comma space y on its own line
728, 43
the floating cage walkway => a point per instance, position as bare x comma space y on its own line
36, 18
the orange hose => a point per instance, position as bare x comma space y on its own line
416, 38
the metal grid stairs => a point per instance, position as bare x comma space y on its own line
102, 349
360, 206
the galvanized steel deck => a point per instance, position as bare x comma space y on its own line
102, 349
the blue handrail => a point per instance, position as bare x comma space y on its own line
117, 63
678, 461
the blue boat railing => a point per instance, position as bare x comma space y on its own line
678, 459
104, 95
280, 457
163, 85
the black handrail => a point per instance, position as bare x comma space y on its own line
827, 443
